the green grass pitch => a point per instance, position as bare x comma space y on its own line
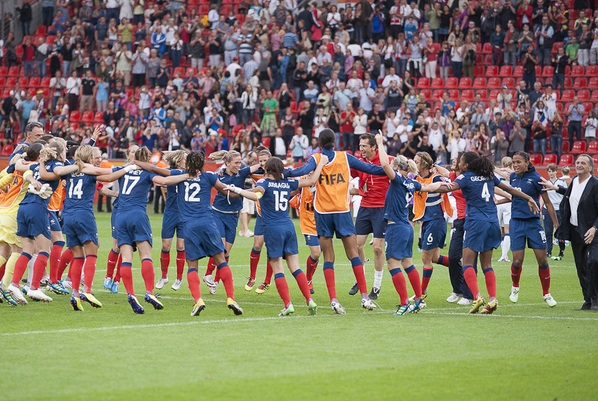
525, 351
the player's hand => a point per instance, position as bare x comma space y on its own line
589, 235
548, 186
533, 206
97, 131
379, 138
323, 160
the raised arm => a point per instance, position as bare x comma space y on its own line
153, 169
384, 158
171, 180
364, 167
303, 170
308, 182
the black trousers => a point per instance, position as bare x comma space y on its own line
455, 255
586, 263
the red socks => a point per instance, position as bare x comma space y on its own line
164, 262
471, 280
127, 276
117, 275
39, 268
426, 277
311, 266
227, 279
302, 283
443, 260
283, 288
329, 278
193, 281
55, 260
20, 267
515, 275
254, 260
147, 272
181, 257
359, 275
490, 282
544, 273
65, 259
400, 285
268, 278
76, 269
413, 276
89, 270
112, 260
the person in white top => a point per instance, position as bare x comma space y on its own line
504, 209
73, 85
591, 124
549, 99
391, 76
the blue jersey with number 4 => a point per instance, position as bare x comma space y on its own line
528, 183
194, 196
275, 202
134, 189
398, 197
478, 192
80, 191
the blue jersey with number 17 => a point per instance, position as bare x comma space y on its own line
194, 197
134, 189
398, 197
478, 192
275, 202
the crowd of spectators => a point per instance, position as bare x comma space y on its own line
230, 75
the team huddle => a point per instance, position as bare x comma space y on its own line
396, 193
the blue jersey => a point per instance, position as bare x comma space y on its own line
354, 163
528, 183
80, 192
478, 192
172, 207
225, 204
434, 210
33, 198
275, 202
134, 189
194, 197
398, 198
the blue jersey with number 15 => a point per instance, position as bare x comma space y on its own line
275, 202
478, 192
194, 197
134, 189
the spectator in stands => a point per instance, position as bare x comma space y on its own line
575, 112
544, 40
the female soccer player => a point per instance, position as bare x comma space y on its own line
80, 224
171, 222
430, 209
15, 186
526, 227
399, 232
274, 193
482, 232
33, 220
201, 233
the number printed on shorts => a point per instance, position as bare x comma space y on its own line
191, 192
430, 239
129, 184
543, 235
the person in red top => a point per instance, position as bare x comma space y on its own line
370, 218
28, 57
346, 128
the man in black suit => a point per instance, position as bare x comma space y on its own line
579, 212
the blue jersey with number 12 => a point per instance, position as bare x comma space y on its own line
194, 197
134, 188
478, 192
275, 202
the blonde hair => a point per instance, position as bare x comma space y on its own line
174, 158
406, 164
84, 153
143, 154
506, 161
225, 155
427, 161
52, 151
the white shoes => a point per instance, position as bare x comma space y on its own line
506, 260
464, 302
454, 297
247, 234
176, 285
337, 308
17, 294
39, 295
549, 300
367, 304
514, 295
209, 280
161, 283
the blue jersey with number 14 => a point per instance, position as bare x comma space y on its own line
80, 191
194, 197
478, 192
134, 188
275, 202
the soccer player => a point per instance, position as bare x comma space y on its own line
171, 223
482, 232
333, 214
79, 221
202, 236
370, 217
429, 208
274, 193
399, 232
33, 220
15, 186
504, 210
526, 226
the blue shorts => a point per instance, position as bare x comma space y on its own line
311, 240
259, 226
281, 240
481, 236
113, 220
133, 227
202, 239
227, 225
80, 228
172, 223
370, 220
433, 234
339, 223
529, 231
399, 241
54, 221
32, 220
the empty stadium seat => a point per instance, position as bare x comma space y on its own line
592, 71
437, 83
566, 160
567, 95
518, 71
465, 83
467, 94
491, 71
577, 71
479, 83
547, 71
75, 116
509, 81
87, 117
7, 150
493, 83
452, 83
580, 83
549, 159
583, 94
535, 159
14, 71
592, 148
578, 147
506, 71
423, 83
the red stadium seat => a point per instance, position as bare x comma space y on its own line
266, 141
509, 81
578, 147
437, 83
465, 83
41, 30
11, 82
98, 117
493, 83
505, 71
593, 148
427, 93
487, 48
23, 82
3, 71
549, 159
14, 71
87, 117
566, 145
592, 71
535, 159
453, 94
35, 82
584, 94
75, 116
2, 81
595, 158
567, 95
566, 160
452, 83
423, 83
479, 70
578, 71
492, 71
518, 72
467, 94
580, 83
479, 83
7, 150
483, 94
